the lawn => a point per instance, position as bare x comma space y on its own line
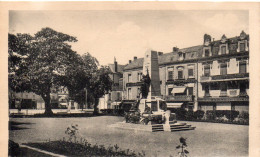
208, 139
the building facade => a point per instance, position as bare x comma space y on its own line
212, 76
112, 99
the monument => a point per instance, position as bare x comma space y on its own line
151, 108
151, 68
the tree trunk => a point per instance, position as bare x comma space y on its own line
48, 111
96, 100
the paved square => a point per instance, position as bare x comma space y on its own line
208, 139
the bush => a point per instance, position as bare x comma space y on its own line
210, 115
83, 148
199, 114
132, 117
13, 149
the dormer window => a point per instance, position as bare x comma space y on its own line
242, 46
206, 52
223, 50
181, 55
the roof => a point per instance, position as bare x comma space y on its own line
120, 68
191, 53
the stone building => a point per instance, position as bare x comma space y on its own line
212, 76
112, 99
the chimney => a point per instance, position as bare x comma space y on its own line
130, 61
135, 58
160, 53
115, 63
175, 49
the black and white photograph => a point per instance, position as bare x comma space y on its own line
130, 81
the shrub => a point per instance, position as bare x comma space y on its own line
199, 114
210, 115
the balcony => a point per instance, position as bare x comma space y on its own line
179, 98
222, 99
131, 84
223, 94
243, 94
205, 78
181, 81
230, 76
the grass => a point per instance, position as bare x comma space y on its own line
208, 139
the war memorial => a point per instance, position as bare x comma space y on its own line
151, 110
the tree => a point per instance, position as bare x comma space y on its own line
44, 58
100, 84
77, 76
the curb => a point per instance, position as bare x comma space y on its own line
42, 151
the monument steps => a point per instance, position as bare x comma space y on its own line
173, 126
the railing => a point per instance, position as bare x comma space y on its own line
181, 81
222, 99
205, 78
223, 93
131, 84
230, 76
179, 98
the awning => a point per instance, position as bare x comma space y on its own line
174, 105
178, 90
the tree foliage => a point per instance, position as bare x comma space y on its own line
42, 59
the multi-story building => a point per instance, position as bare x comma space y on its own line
205, 77
224, 74
112, 99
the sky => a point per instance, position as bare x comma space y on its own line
124, 34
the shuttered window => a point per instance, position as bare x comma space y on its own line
190, 72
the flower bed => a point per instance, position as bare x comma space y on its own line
82, 148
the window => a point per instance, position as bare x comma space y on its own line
242, 47
190, 90
223, 87
138, 93
129, 92
242, 67
180, 74
170, 75
242, 88
223, 69
207, 53
190, 72
129, 78
207, 70
223, 50
139, 76
118, 96
206, 90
